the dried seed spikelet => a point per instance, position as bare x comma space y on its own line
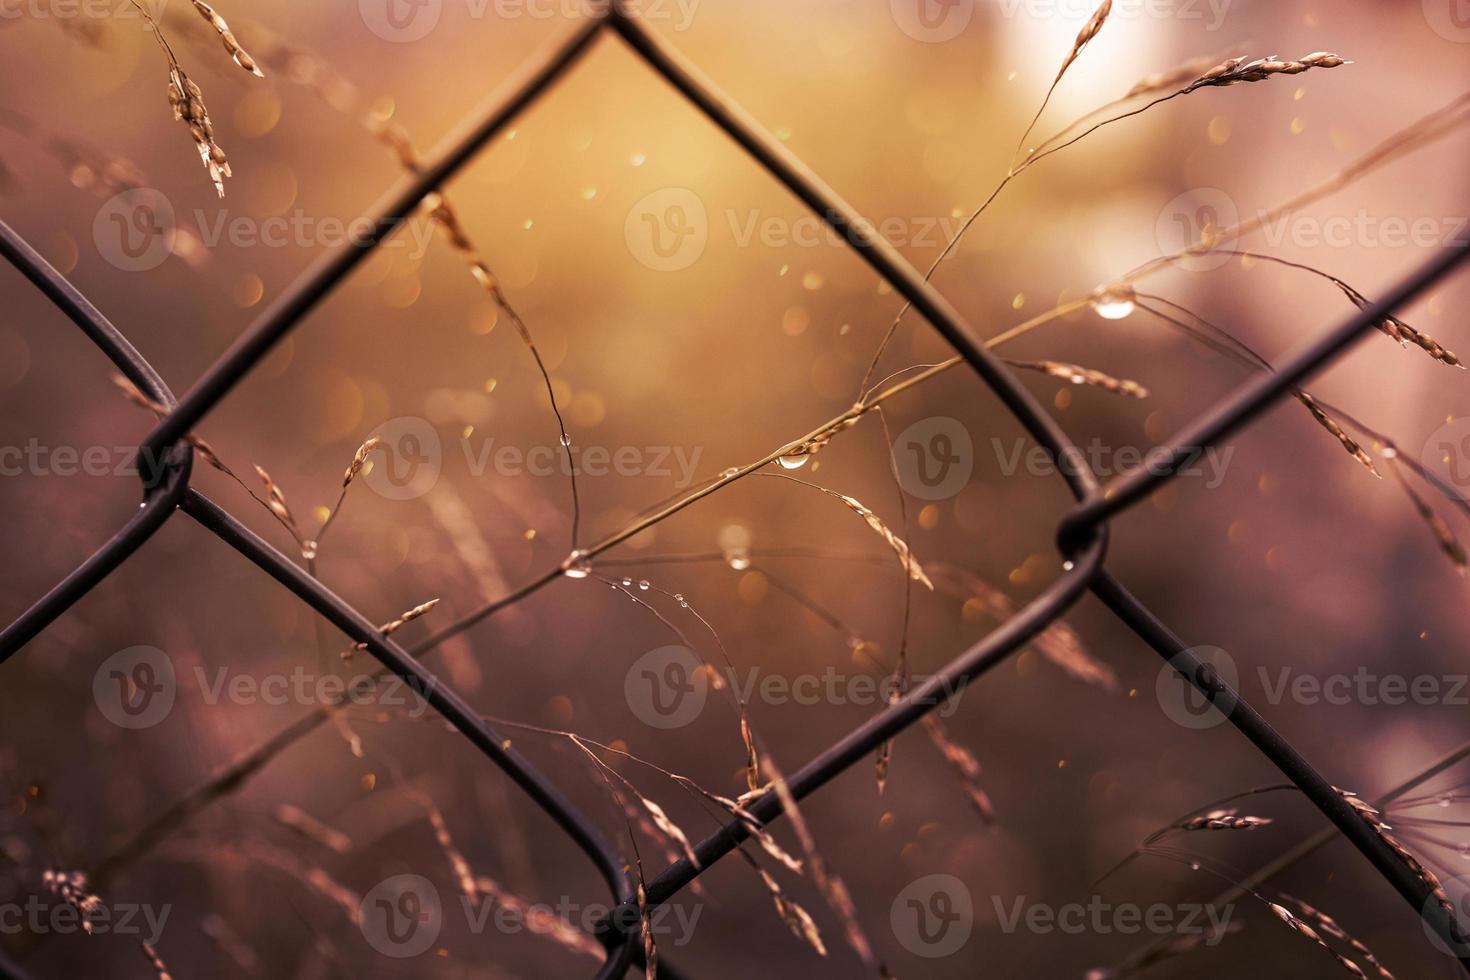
832, 887
1085, 376
312, 829
232, 46
1448, 542
1224, 820
187, 101
1384, 831
275, 498
796, 918
650, 948
1058, 643
1326, 923
541, 919
1233, 71
910, 563
71, 888
757, 830
388, 629
965, 765
1302, 929
1089, 31
457, 861
1330, 424
359, 460
156, 961
1401, 331
131, 393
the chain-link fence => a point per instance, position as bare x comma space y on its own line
166, 459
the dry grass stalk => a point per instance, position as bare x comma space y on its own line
900, 547
832, 887
396, 138
1058, 643
965, 766
1234, 71
650, 948
303, 823
757, 830
1171, 79
187, 101
1326, 923
155, 961
1302, 929
1085, 376
227, 36
797, 919
541, 920
461, 867
275, 497
1430, 879
389, 628
240, 858
1173, 949
1223, 820
1089, 31
1423, 132
311, 548
1330, 424
1401, 331
131, 392
71, 888
1448, 542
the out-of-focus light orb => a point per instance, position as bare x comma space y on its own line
248, 290
15, 358
258, 113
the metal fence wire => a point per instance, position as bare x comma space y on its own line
165, 460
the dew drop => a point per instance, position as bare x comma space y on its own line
731, 473
679, 598
627, 583
644, 585
577, 566
738, 559
794, 462
1114, 302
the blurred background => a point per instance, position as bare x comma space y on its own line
749, 330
